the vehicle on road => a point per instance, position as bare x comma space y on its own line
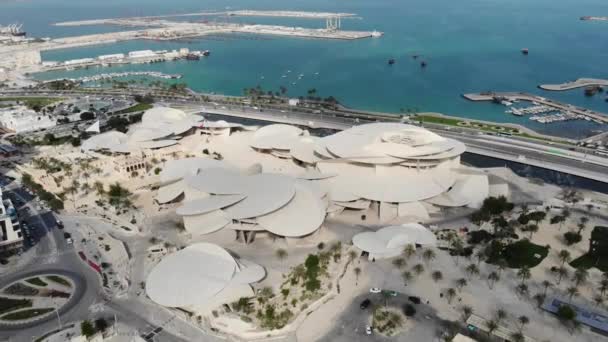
365, 304
67, 235
69, 241
368, 330
414, 299
375, 290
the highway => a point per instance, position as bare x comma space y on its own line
574, 160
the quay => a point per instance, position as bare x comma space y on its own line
579, 83
492, 96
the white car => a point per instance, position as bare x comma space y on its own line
368, 330
375, 290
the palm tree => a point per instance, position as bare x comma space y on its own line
532, 228
460, 283
466, 312
500, 315
502, 265
540, 299
491, 325
493, 277
580, 276
409, 250
561, 272
517, 337
572, 291
480, 255
418, 269
472, 269
524, 274
428, 255
598, 299
437, 276
399, 263
546, 284
407, 276
98, 186
522, 289
523, 320
352, 255
450, 294
281, 254
603, 285
564, 256
357, 271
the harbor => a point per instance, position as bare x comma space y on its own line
543, 110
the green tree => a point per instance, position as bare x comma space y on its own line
580, 276
493, 277
437, 276
466, 312
357, 271
460, 283
428, 255
409, 251
450, 294
523, 320
472, 270
399, 263
524, 274
572, 291
418, 269
281, 254
87, 329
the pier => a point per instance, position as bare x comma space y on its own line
579, 83
491, 96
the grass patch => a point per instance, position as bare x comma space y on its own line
26, 314
137, 108
19, 289
518, 254
36, 281
59, 280
586, 261
437, 120
9, 304
33, 102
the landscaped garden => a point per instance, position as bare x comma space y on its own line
34, 297
387, 321
597, 256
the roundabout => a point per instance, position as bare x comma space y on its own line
32, 298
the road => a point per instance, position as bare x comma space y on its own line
51, 254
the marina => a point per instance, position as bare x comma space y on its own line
107, 76
555, 111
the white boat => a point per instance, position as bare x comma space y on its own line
506, 103
376, 34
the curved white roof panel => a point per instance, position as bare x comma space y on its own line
200, 277
104, 141
183, 279
205, 223
277, 136
158, 115
302, 216
389, 241
266, 192
205, 205
178, 169
303, 150
468, 190
218, 181
169, 192
315, 175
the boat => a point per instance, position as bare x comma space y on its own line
376, 34
423, 64
206, 53
193, 57
391, 61
506, 103
284, 76
525, 51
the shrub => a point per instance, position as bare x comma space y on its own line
87, 328
572, 238
409, 310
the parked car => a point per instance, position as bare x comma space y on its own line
414, 299
375, 290
67, 235
368, 330
69, 241
365, 304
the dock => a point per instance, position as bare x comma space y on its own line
491, 96
579, 83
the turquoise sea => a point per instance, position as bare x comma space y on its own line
469, 45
